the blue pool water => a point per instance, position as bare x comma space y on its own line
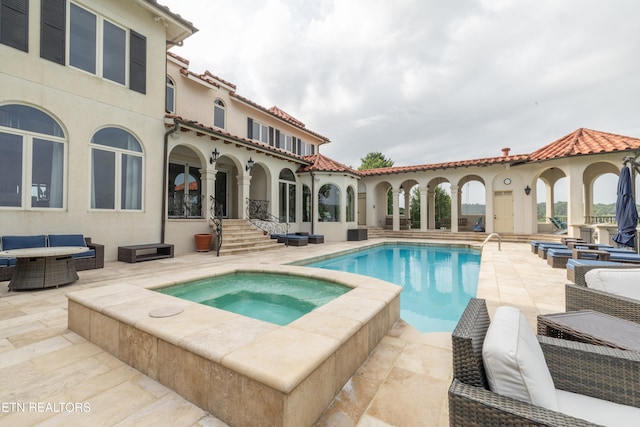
275, 298
437, 281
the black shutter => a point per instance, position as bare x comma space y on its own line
277, 141
271, 135
313, 149
137, 62
299, 146
249, 128
53, 30
14, 24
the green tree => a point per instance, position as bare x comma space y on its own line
375, 160
443, 205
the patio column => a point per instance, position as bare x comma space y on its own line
432, 208
244, 182
455, 200
209, 176
396, 209
423, 207
550, 210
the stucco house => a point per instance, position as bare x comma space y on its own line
105, 132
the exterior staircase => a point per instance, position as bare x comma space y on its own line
378, 232
239, 236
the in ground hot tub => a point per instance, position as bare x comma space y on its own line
272, 297
244, 371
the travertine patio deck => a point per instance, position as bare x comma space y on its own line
51, 376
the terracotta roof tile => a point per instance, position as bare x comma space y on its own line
517, 158
321, 163
585, 141
295, 122
286, 117
207, 73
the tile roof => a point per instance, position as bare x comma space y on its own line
321, 163
517, 158
208, 130
276, 112
286, 117
585, 141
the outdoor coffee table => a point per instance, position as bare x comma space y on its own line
591, 327
38, 268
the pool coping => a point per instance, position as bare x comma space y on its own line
234, 359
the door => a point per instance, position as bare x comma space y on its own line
503, 212
221, 192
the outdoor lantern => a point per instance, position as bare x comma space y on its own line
249, 164
214, 156
527, 190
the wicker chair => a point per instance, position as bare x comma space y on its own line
596, 371
580, 297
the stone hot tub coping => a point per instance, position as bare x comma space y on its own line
243, 370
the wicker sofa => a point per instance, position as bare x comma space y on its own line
585, 369
92, 259
581, 297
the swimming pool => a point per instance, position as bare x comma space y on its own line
276, 298
437, 280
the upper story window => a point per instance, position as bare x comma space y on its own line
218, 113
171, 96
258, 131
90, 42
32, 135
14, 24
116, 170
306, 149
286, 142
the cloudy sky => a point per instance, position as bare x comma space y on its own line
426, 81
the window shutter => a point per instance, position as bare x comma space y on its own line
299, 146
53, 31
14, 24
137, 62
313, 149
249, 128
271, 139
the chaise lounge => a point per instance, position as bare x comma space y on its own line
578, 372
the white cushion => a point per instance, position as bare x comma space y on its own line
623, 281
597, 411
514, 361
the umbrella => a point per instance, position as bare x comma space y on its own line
626, 212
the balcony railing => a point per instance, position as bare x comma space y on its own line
185, 205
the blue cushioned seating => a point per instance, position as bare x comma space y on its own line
20, 242
71, 240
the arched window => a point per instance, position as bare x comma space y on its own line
218, 113
116, 170
351, 205
287, 196
306, 203
27, 131
171, 96
329, 203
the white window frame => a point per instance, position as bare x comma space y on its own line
27, 169
219, 105
119, 152
171, 84
263, 131
99, 45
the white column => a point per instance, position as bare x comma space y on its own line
396, 209
209, 178
432, 209
244, 182
423, 208
455, 200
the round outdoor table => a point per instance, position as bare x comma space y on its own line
38, 268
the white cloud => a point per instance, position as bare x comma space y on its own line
427, 81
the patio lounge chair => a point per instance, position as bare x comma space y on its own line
577, 268
596, 294
584, 369
559, 225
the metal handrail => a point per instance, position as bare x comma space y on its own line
259, 216
215, 222
489, 237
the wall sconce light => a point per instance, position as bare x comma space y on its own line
214, 156
249, 164
527, 190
